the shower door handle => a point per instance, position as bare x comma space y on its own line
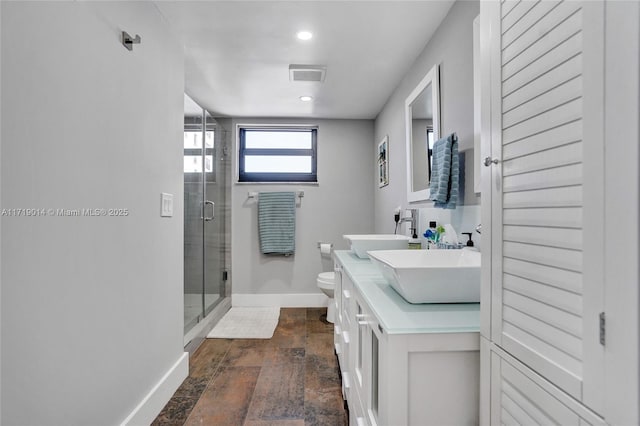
213, 210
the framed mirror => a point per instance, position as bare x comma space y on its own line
422, 120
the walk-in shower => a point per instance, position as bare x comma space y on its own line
206, 185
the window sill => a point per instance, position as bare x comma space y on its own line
278, 183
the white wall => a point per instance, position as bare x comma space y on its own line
451, 47
0, 221
91, 306
622, 212
341, 203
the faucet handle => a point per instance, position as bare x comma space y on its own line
469, 241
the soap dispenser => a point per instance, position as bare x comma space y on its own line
414, 242
470, 241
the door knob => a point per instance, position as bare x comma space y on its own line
488, 161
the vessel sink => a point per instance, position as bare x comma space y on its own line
362, 243
432, 276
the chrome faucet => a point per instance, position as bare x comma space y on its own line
414, 221
479, 228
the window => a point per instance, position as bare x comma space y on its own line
277, 154
194, 149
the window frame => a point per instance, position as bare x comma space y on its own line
279, 177
193, 126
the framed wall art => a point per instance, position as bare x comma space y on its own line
383, 162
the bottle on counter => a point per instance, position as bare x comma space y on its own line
432, 235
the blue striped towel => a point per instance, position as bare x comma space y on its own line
277, 222
445, 173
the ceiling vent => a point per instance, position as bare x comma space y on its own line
307, 72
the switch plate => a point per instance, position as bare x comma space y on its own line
166, 204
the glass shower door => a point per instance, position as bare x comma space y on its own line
205, 179
214, 223
193, 214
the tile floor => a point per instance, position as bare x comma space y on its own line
291, 379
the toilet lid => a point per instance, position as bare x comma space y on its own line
327, 277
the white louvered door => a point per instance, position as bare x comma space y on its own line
547, 192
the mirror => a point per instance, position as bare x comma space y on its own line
422, 118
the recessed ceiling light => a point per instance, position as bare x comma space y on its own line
304, 35
306, 98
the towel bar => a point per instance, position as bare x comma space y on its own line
253, 194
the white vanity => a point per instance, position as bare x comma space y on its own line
402, 363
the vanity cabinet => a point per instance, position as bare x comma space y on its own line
403, 364
364, 364
342, 328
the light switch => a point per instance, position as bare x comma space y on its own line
166, 206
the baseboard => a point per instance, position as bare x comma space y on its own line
149, 408
300, 300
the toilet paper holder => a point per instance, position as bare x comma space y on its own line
321, 242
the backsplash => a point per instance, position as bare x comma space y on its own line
463, 219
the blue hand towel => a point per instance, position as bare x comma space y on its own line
277, 222
445, 173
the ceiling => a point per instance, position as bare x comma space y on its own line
238, 53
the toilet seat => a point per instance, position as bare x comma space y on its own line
327, 280
327, 283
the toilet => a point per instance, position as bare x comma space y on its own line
327, 283
327, 280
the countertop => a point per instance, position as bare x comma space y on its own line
395, 314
